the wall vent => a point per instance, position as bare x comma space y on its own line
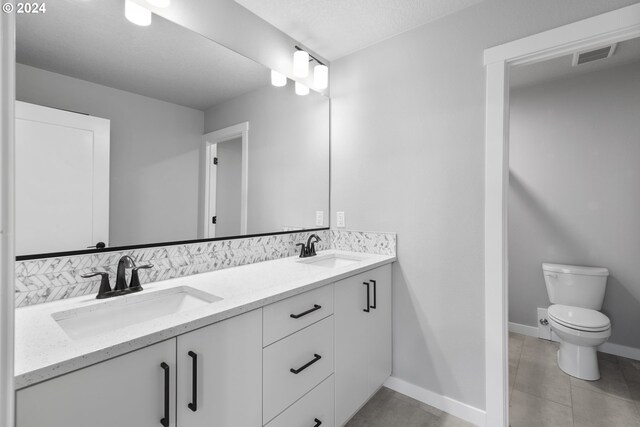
580, 58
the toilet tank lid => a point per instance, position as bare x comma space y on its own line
575, 269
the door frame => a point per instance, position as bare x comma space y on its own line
211, 139
601, 30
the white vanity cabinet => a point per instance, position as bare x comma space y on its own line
362, 338
135, 389
220, 374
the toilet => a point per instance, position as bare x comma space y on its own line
576, 294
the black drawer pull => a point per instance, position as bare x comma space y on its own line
375, 294
367, 284
316, 357
165, 421
304, 313
194, 381
318, 422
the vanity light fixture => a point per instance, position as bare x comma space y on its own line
301, 89
159, 3
278, 79
300, 63
321, 76
136, 13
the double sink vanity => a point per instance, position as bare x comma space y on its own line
288, 342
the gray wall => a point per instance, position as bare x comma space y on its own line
574, 196
229, 187
407, 155
288, 154
155, 148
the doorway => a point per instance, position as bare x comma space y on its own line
616, 26
226, 181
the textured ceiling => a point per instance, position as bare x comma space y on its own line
626, 52
335, 28
92, 40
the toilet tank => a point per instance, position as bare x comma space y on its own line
575, 285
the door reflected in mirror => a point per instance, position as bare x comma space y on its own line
169, 99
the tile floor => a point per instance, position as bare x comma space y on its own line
390, 409
542, 395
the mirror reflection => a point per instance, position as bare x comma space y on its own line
130, 135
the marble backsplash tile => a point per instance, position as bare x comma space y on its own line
49, 279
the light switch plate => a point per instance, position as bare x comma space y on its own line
340, 219
320, 218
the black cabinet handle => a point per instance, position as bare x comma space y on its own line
304, 313
367, 284
318, 422
165, 421
316, 357
375, 294
194, 382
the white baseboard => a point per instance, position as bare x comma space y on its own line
461, 410
620, 350
530, 331
608, 347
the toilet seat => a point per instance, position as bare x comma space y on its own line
581, 319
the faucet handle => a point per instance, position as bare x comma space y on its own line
134, 284
105, 286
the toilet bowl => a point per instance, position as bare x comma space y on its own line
576, 294
580, 331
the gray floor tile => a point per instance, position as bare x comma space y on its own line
448, 420
529, 411
594, 409
630, 369
611, 381
540, 352
543, 380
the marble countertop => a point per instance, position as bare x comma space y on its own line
43, 350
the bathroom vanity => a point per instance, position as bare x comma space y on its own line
287, 342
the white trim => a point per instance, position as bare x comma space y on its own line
456, 408
218, 136
597, 31
7, 249
620, 350
608, 347
530, 331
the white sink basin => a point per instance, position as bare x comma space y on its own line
331, 260
127, 310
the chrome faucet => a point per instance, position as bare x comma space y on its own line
310, 248
121, 287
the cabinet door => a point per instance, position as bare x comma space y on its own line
228, 361
351, 346
379, 327
128, 390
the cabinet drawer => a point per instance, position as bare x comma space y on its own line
308, 352
292, 314
314, 407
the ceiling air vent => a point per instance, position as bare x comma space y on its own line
580, 58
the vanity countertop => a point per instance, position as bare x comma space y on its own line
43, 350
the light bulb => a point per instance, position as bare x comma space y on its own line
301, 89
136, 13
300, 63
159, 3
321, 76
278, 79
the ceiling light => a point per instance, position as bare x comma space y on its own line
321, 76
300, 63
159, 3
136, 13
278, 79
301, 89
